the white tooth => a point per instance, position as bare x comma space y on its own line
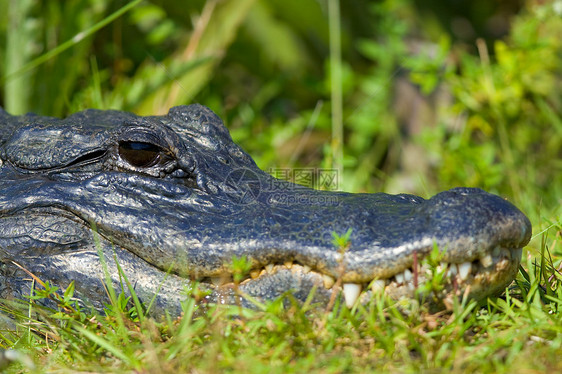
351, 292
496, 252
516, 253
399, 278
487, 261
378, 285
407, 275
452, 270
464, 270
306, 269
328, 281
269, 268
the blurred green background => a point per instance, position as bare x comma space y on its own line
425, 94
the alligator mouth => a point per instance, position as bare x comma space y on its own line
477, 279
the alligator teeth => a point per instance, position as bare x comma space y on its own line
452, 270
328, 281
464, 270
487, 261
351, 292
378, 285
407, 275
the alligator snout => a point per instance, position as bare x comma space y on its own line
479, 234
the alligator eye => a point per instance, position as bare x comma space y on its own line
139, 154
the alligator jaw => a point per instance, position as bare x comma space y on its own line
476, 279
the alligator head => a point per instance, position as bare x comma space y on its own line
171, 199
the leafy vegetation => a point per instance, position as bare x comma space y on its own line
430, 97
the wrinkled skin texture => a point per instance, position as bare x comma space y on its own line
172, 199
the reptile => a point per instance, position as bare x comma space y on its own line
169, 201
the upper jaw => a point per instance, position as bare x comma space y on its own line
463, 233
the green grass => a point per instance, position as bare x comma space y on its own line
491, 116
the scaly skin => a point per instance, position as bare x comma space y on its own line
173, 199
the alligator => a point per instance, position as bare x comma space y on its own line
169, 201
